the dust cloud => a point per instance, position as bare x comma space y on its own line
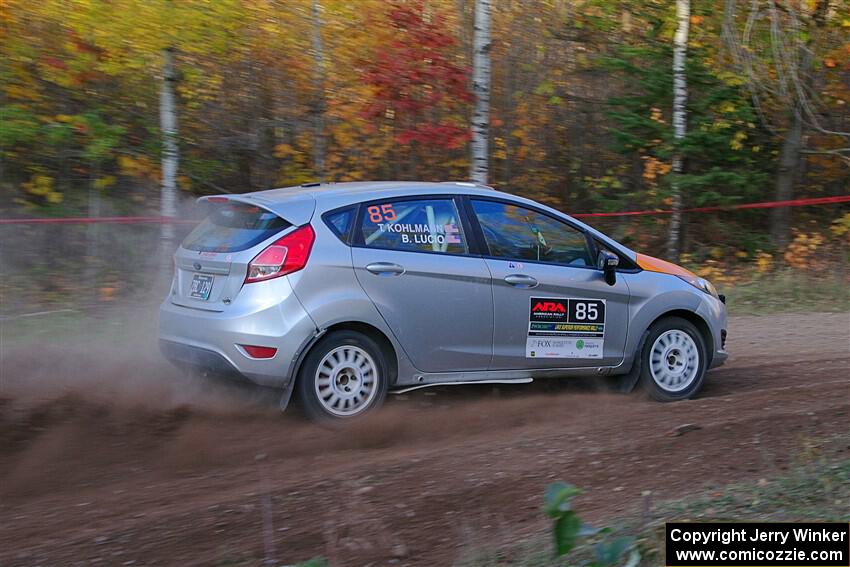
84, 389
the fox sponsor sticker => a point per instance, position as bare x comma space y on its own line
563, 327
556, 347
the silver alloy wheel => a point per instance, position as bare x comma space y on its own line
674, 360
346, 381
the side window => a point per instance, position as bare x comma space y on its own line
518, 233
426, 225
340, 222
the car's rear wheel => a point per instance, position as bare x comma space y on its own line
673, 362
343, 377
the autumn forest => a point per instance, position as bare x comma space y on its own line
581, 114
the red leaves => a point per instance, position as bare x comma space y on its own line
54, 62
440, 135
414, 75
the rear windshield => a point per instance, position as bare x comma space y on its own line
233, 227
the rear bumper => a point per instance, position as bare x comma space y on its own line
187, 356
263, 315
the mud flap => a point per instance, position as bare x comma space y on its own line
625, 383
286, 395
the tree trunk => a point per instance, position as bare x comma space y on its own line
170, 150
680, 119
479, 168
789, 157
319, 92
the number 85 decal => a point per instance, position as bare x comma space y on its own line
584, 311
384, 213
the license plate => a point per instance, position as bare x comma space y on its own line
201, 287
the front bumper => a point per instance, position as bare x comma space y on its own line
713, 312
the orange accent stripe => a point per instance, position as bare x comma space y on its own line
651, 264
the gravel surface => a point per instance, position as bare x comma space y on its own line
116, 460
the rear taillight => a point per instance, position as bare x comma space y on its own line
284, 256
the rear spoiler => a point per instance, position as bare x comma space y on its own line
297, 211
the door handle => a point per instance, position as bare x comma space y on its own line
520, 280
385, 269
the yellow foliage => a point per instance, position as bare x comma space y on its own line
136, 166
801, 251
653, 168
721, 124
41, 185
657, 115
104, 182
284, 151
712, 271
764, 262
841, 226
738, 140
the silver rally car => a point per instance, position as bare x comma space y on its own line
343, 292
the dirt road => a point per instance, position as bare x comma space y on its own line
115, 460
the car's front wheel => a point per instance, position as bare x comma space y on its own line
343, 377
673, 363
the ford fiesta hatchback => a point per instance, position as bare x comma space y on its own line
343, 292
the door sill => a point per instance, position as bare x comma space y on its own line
462, 383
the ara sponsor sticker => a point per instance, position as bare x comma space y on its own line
565, 328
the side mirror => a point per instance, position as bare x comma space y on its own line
608, 262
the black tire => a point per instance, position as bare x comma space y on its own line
661, 385
308, 376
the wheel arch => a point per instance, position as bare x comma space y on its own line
370, 331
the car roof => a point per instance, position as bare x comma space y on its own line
298, 204
364, 189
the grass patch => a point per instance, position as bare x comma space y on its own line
789, 291
810, 492
813, 491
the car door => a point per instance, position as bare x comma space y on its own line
553, 308
412, 258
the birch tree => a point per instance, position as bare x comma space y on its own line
680, 119
170, 149
479, 168
319, 105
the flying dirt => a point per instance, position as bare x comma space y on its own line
110, 455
